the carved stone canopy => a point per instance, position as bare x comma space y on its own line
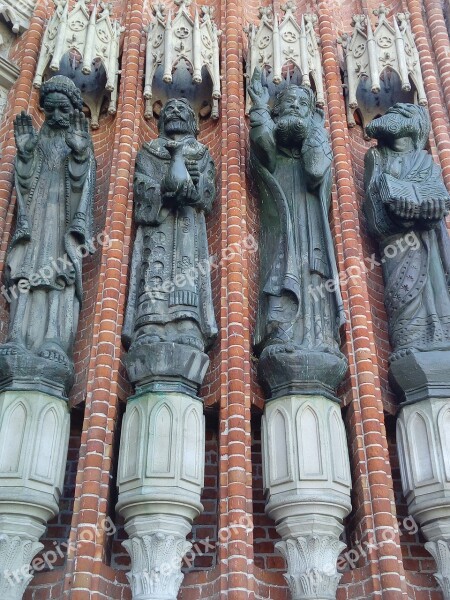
17, 13
84, 46
278, 43
183, 58
379, 65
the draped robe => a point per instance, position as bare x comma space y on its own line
417, 275
296, 250
44, 263
170, 288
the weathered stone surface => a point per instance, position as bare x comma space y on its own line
406, 202
34, 436
290, 159
170, 302
55, 181
161, 472
307, 482
423, 445
421, 376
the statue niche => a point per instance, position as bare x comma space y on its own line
406, 204
170, 319
54, 182
300, 307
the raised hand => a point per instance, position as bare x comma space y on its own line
25, 135
257, 91
77, 136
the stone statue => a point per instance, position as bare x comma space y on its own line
170, 319
55, 182
300, 306
406, 202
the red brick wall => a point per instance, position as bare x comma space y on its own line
244, 563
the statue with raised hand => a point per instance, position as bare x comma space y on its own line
300, 306
406, 204
55, 182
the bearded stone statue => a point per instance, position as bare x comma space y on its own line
55, 183
300, 307
170, 319
406, 204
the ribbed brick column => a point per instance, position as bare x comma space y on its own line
235, 537
441, 44
93, 480
373, 480
439, 119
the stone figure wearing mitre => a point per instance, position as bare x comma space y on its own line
170, 298
300, 307
55, 183
406, 204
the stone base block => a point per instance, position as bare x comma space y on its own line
166, 366
34, 436
284, 370
421, 376
161, 472
22, 370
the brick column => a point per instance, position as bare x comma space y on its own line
93, 479
235, 537
372, 475
439, 119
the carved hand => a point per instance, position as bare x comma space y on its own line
435, 209
193, 170
77, 136
257, 92
25, 135
186, 194
404, 208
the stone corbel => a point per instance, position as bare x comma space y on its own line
194, 40
370, 54
307, 481
277, 42
77, 43
18, 14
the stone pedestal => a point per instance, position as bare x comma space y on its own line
34, 435
161, 472
307, 478
423, 442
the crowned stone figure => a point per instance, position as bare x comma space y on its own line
300, 306
170, 319
406, 204
54, 182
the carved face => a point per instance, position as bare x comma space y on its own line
295, 102
57, 108
177, 118
294, 117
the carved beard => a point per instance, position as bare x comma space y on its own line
391, 125
178, 126
291, 131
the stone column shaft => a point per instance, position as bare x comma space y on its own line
161, 473
34, 436
307, 477
423, 442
